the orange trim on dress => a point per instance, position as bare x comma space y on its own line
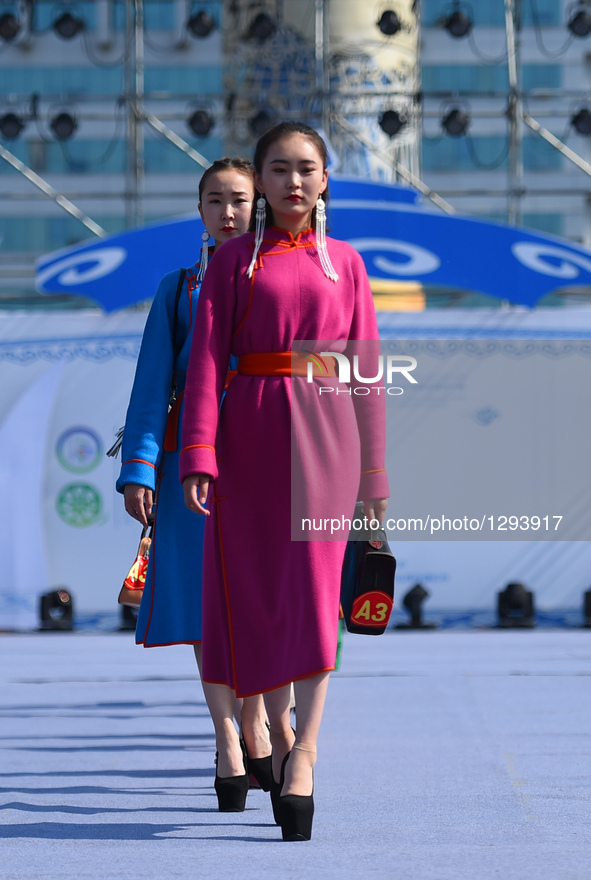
241, 324
283, 363
198, 446
141, 461
376, 471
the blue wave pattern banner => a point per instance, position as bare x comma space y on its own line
398, 236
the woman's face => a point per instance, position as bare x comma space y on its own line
291, 179
226, 204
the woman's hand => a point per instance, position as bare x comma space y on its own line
195, 487
138, 502
375, 508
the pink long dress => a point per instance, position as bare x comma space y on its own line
271, 603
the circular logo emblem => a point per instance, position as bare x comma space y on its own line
376, 544
79, 505
78, 450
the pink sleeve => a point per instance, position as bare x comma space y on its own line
370, 409
208, 365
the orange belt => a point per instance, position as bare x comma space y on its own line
284, 363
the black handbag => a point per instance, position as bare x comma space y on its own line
367, 580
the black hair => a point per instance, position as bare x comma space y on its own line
226, 163
279, 131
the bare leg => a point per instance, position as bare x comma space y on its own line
310, 698
220, 701
277, 704
254, 727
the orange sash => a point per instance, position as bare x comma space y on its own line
285, 363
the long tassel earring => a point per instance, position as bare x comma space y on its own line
261, 216
327, 266
204, 255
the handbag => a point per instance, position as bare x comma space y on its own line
133, 586
367, 580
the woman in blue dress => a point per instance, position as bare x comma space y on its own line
170, 611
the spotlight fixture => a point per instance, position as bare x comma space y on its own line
391, 122
9, 26
455, 122
458, 24
581, 121
260, 123
515, 607
128, 618
261, 28
63, 125
413, 602
201, 24
200, 122
587, 609
67, 26
579, 24
57, 610
389, 23
11, 126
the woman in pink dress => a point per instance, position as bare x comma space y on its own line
271, 590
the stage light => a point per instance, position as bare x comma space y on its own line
128, 618
63, 125
67, 26
515, 606
260, 123
201, 24
200, 123
455, 122
391, 122
579, 24
9, 26
57, 610
389, 23
581, 121
11, 125
458, 24
261, 28
413, 602
587, 608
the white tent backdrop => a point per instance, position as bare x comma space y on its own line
65, 380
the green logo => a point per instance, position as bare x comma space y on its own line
79, 505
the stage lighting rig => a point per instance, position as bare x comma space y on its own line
413, 602
261, 28
260, 123
200, 122
63, 125
201, 24
389, 23
391, 122
57, 610
9, 26
67, 26
581, 121
515, 606
11, 125
579, 23
456, 122
458, 24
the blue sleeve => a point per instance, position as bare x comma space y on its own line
145, 423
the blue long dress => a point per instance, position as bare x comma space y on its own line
170, 612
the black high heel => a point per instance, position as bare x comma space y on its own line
276, 791
260, 768
296, 811
231, 791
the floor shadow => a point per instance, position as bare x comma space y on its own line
115, 831
190, 773
96, 811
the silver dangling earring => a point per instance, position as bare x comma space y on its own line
204, 255
261, 216
321, 241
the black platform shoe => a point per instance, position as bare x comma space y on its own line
296, 811
276, 791
231, 791
260, 768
